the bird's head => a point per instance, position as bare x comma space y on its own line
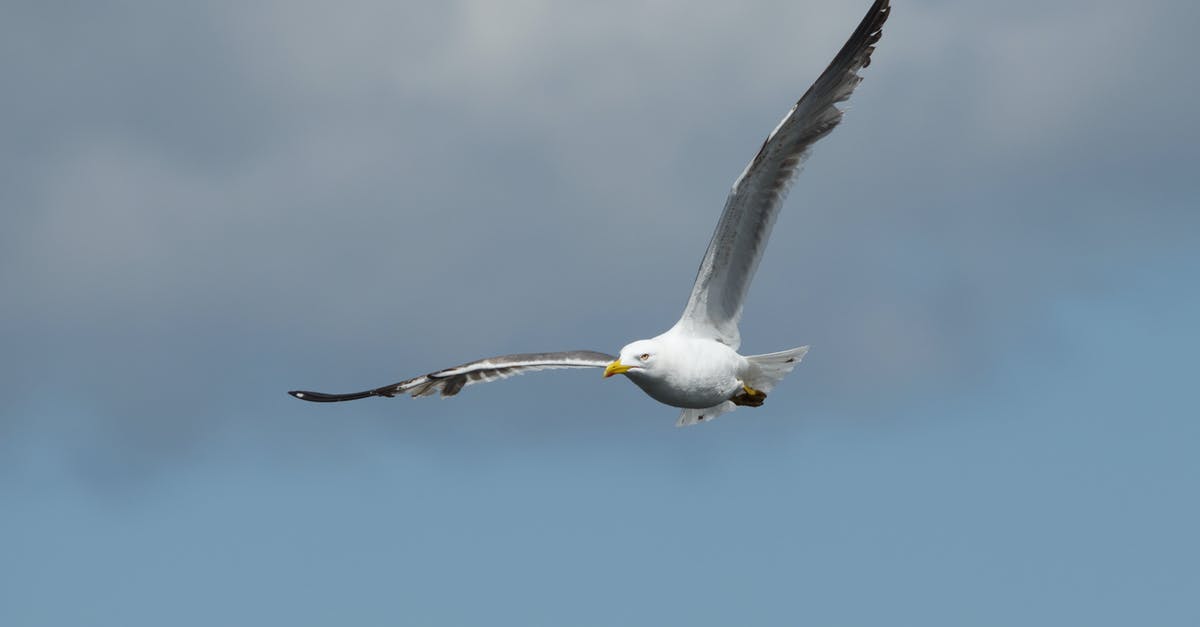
637, 358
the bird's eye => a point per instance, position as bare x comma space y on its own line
644, 356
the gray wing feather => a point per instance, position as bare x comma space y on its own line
741, 236
451, 381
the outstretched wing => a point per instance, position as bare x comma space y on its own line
452, 380
741, 236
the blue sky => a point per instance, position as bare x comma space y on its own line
994, 258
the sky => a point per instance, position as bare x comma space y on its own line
994, 259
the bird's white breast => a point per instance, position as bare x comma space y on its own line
692, 373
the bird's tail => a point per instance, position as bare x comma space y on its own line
768, 370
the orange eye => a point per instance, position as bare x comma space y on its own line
644, 356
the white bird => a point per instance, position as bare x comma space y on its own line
695, 364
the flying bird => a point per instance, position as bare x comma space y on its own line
695, 365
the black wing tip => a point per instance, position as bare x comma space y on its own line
873, 24
321, 397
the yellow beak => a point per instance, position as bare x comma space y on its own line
616, 367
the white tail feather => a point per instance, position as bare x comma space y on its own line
768, 370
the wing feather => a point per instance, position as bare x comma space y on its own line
737, 245
451, 381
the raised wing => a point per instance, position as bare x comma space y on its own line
737, 245
452, 380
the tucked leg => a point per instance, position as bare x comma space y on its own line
749, 397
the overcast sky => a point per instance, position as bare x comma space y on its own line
207, 204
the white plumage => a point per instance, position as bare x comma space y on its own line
695, 364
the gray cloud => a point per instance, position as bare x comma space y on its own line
249, 198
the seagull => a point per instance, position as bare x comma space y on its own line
695, 365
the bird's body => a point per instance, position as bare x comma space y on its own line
695, 364
695, 372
